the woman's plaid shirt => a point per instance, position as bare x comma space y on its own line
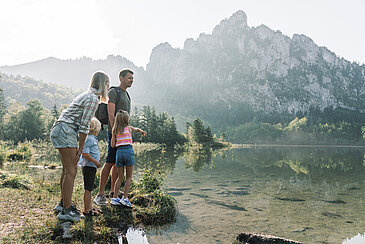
80, 112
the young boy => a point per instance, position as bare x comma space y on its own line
89, 161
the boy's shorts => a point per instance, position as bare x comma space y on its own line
125, 156
110, 158
89, 177
63, 135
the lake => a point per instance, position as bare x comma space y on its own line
308, 194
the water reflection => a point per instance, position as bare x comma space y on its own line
301, 161
358, 239
196, 160
313, 195
133, 236
163, 160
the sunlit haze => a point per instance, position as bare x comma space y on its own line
36, 29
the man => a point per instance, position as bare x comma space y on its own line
124, 103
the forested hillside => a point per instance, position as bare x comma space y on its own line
24, 89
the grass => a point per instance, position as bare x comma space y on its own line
28, 197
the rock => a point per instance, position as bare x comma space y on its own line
66, 227
258, 238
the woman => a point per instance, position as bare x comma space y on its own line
74, 122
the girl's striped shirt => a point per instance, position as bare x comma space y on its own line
124, 138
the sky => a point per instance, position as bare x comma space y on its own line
68, 29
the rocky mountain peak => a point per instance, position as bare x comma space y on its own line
237, 21
238, 67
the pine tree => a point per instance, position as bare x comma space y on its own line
199, 131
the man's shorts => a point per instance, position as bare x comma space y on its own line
125, 156
89, 177
110, 158
63, 135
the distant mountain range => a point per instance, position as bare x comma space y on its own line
227, 77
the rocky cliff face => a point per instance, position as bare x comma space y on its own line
254, 67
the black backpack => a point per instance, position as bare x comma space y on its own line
102, 111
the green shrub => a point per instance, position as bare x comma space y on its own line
153, 205
23, 152
150, 181
2, 157
2, 152
13, 181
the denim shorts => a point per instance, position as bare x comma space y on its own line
63, 135
125, 156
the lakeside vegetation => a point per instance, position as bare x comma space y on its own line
29, 185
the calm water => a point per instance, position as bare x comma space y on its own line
313, 195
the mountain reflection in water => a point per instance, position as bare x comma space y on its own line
312, 195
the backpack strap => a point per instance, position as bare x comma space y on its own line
117, 90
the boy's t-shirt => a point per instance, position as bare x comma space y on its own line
91, 147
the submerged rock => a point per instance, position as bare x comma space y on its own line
290, 199
258, 238
336, 202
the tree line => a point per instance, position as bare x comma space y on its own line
33, 121
298, 131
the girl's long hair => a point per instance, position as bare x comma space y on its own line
121, 121
98, 82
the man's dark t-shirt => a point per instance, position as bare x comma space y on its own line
124, 102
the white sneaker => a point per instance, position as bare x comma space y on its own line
115, 201
125, 202
100, 200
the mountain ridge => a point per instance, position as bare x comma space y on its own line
239, 71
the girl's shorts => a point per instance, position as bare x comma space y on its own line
63, 135
125, 156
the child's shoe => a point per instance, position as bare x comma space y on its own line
100, 200
125, 202
115, 201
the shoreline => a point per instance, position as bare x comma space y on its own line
294, 145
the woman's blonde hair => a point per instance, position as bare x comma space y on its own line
98, 82
121, 121
95, 127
